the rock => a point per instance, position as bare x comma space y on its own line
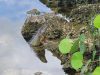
63, 6
33, 12
47, 30
43, 31
38, 73
41, 73
85, 13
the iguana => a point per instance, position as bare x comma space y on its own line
46, 31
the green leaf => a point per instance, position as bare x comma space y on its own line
75, 46
88, 73
82, 44
65, 46
77, 60
82, 37
97, 21
97, 71
82, 47
94, 53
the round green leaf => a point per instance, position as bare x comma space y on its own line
65, 46
97, 21
77, 60
97, 71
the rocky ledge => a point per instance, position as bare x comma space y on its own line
45, 31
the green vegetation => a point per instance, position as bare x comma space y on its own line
80, 52
65, 45
97, 21
77, 56
81, 57
96, 71
77, 60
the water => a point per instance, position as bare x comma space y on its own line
17, 58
